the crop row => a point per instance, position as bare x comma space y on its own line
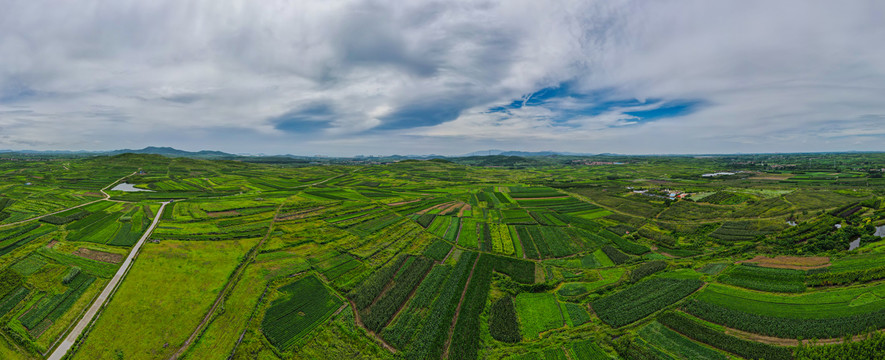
64, 218
440, 225
305, 304
465, 339
807, 230
425, 219
765, 279
787, 327
452, 231
555, 241
736, 231
674, 343
10, 244
587, 350
8, 302
615, 255
724, 198
9, 280
528, 246
521, 271
547, 218
501, 242
376, 224
437, 250
486, 239
400, 332
416, 206
744, 348
646, 269
5, 202
516, 216
624, 244
846, 210
368, 290
382, 310
10, 236
53, 307
468, 235
827, 278
871, 346
642, 299
577, 314
431, 338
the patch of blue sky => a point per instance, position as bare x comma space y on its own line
568, 104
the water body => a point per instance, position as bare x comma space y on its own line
880, 231
127, 188
718, 174
854, 244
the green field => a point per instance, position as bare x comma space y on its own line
538, 313
441, 258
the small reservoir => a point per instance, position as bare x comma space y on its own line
127, 188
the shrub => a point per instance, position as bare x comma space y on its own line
503, 324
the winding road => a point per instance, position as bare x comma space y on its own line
102, 298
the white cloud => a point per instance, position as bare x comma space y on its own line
420, 76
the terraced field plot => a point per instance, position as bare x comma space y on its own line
437, 259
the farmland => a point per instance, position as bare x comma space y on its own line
439, 259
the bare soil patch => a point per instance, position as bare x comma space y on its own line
463, 209
790, 262
222, 213
403, 202
93, 194
422, 212
52, 243
450, 209
99, 255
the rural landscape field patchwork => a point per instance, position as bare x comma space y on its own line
494, 257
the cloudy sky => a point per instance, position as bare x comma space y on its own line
447, 77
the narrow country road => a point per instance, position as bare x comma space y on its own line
69, 341
102, 190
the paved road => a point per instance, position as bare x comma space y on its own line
106, 197
65, 345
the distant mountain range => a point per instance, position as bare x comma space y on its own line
525, 153
172, 152
211, 154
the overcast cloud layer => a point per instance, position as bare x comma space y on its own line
449, 77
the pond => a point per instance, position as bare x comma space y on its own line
127, 188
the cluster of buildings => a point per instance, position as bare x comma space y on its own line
665, 193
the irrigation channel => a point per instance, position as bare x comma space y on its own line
102, 298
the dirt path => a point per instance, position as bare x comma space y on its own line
223, 294
458, 310
106, 198
102, 298
236, 278
408, 300
786, 342
359, 322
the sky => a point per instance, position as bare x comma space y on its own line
345, 78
